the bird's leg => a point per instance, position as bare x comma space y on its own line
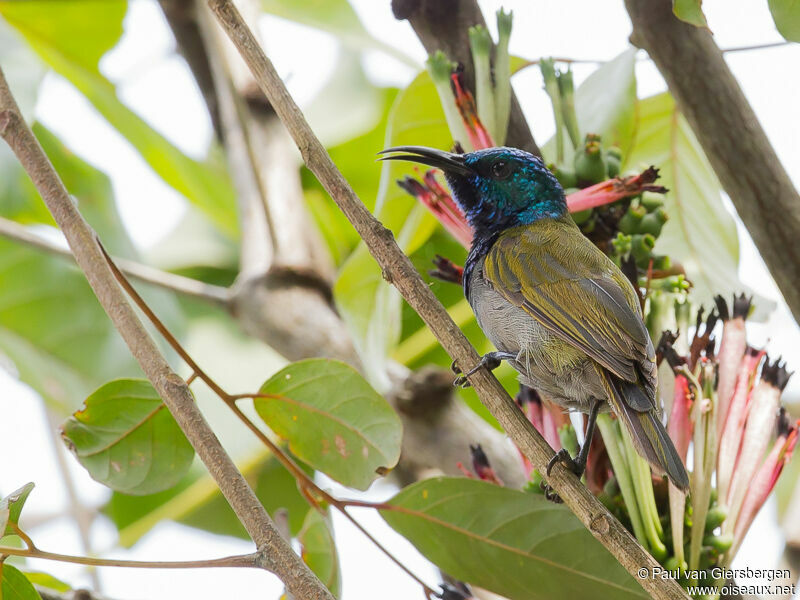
578, 464
490, 360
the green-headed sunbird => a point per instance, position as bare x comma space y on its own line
554, 305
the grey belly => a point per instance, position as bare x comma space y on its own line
571, 381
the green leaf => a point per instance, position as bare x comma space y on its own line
336, 17
72, 45
14, 585
700, 233
127, 439
606, 104
53, 329
22, 69
89, 187
319, 550
690, 11
45, 580
11, 508
333, 420
786, 14
515, 544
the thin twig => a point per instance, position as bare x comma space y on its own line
398, 270
274, 553
170, 281
239, 561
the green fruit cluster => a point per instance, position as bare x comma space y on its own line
639, 228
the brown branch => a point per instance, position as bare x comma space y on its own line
293, 312
145, 273
274, 554
443, 26
398, 270
192, 46
726, 126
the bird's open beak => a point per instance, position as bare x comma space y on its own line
446, 161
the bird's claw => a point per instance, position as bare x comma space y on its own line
549, 493
563, 457
491, 361
462, 382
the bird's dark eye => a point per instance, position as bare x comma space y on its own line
501, 169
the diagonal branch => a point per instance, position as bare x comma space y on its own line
734, 141
274, 554
179, 284
398, 270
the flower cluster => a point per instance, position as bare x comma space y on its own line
721, 400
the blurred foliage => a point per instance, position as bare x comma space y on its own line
57, 339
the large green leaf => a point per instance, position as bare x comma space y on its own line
333, 420
606, 104
786, 14
90, 188
14, 585
515, 544
319, 550
53, 329
336, 17
354, 158
11, 508
700, 233
128, 440
369, 305
72, 44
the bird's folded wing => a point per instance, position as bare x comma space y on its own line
571, 288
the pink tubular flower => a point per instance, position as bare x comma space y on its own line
766, 477
615, 189
679, 426
480, 463
731, 351
436, 199
765, 401
439, 202
734, 425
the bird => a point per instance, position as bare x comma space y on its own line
553, 304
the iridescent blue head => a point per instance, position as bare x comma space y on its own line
497, 188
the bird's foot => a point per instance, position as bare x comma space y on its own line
490, 360
576, 465
550, 493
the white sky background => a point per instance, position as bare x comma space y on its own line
157, 84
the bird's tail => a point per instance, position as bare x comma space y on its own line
648, 434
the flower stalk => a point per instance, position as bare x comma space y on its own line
440, 69
502, 76
480, 43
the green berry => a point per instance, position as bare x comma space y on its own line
716, 515
566, 177
590, 162
582, 216
629, 223
652, 201
642, 247
652, 222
